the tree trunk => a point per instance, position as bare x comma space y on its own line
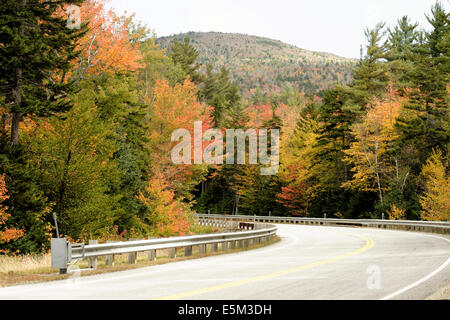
237, 204
377, 171
15, 125
17, 93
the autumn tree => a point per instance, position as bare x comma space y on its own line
369, 154
166, 215
297, 156
7, 234
435, 200
176, 108
157, 65
75, 166
396, 213
108, 46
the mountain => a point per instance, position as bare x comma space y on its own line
256, 62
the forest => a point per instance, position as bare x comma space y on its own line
87, 116
266, 65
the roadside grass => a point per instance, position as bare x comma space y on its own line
442, 294
18, 270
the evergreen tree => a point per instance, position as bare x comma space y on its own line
185, 55
334, 136
36, 48
425, 124
371, 74
221, 93
402, 41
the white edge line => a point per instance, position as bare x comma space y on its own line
442, 267
415, 284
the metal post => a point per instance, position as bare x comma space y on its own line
224, 246
132, 256
56, 224
188, 251
110, 259
172, 253
152, 255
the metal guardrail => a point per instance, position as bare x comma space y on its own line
63, 252
442, 227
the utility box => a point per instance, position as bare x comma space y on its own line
60, 254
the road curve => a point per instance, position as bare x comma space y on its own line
309, 263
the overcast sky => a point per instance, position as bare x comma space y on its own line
335, 26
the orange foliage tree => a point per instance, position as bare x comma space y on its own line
167, 216
7, 234
170, 185
108, 46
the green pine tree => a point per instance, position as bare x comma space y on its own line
185, 55
35, 54
425, 125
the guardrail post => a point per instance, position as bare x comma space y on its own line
188, 251
152, 255
215, 247
224, 246
232, 244
202, 248
92, 261
109, 259
172, 253
132, 256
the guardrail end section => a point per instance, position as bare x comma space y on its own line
60, 254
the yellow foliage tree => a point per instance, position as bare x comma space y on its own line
368, 154
436, 199
297, 153
397, 213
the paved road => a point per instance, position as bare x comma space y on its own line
310, 262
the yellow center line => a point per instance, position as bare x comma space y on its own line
369, 244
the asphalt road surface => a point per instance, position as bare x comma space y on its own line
310, 262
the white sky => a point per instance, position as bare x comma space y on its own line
335, 26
